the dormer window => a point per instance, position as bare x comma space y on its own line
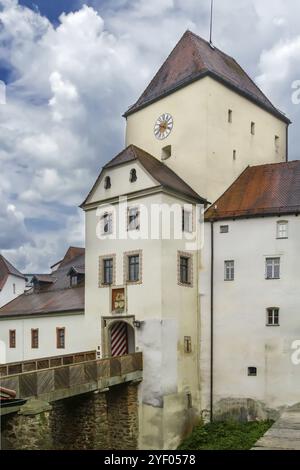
107, 182
76, 274
133, 176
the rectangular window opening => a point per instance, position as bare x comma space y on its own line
224, 228
187, 221
60, 338
133, 218
272, 268
12, 338
133, 268
187, 344
273, 316
253, 128
229, 270
108, 271
166, 152
230, 115
252, 371
34, 338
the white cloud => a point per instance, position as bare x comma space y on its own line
71, 83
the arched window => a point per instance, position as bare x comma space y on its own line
133, 176
107, 182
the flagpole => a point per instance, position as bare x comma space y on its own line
211, 21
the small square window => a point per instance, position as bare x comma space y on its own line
252, 371
224, 228
228, 270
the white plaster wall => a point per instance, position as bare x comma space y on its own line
7, 292
77, 340
241, 337
203, 141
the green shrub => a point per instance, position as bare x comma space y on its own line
225, 436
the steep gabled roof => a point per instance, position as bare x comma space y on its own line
55, 294
271, 189
194, 58
164, 176
6, 269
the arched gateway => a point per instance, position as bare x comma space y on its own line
121, 339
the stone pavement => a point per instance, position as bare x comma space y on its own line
284, 434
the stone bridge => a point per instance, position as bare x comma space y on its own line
87, 405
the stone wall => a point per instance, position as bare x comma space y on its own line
107, 420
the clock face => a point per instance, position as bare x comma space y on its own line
163, 126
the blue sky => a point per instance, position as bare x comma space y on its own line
70, 78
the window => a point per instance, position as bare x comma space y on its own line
277, 142
166, 152
187, 220
229, 270
133, 268
14, 288
34, 338
108, 271
107, 223
184, 270
230, 115
133, 218
253, 128
224, 228
60, 338
133, 176
273, 316
187, 344
282, 229
234, 155
12, 338
73, 280
252, 371
107, 183
273, 268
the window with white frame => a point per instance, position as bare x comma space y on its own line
282, 229
273, 316
133, 218
187, 220
273, 268
229, 270
107, 223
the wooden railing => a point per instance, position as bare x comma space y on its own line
56, 383
45, 363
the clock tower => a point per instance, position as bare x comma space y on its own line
210, 116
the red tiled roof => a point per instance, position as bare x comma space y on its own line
6, 269
194, 58
55, 294
159, 171
270, 189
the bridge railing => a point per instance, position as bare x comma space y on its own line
63, 381
13, 368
